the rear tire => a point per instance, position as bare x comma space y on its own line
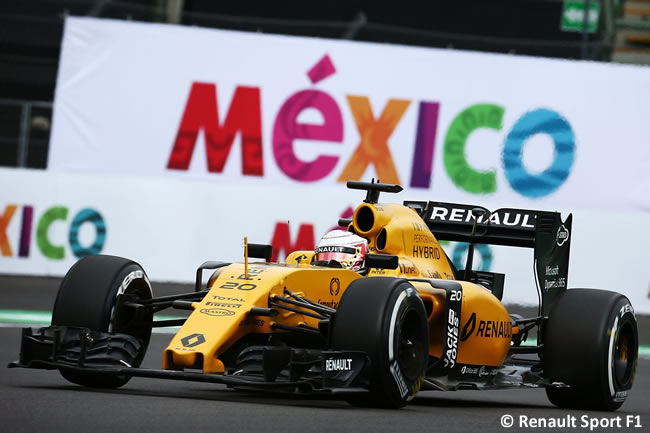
591, 344
385, 318
87, 298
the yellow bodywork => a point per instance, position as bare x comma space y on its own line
487, 343
222, 317
400, 231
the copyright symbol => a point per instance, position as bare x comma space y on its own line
507, 421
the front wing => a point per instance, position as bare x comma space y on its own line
279, 369
276, 368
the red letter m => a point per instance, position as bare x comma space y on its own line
282, 239
201, 112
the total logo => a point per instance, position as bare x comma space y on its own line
375, 126
47, 218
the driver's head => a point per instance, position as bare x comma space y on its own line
345, 247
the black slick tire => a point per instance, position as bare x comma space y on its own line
385, 318
87, 298
591, 344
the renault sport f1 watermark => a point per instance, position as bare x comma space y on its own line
571, 421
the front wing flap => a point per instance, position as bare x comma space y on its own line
277, 368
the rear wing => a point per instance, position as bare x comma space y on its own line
543, 231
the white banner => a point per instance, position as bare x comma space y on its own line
230, 107
170, 227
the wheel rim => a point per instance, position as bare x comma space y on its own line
624, 354
131, 320
410, 346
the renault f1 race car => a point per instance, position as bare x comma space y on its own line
408, 321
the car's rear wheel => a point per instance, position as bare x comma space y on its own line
386, 319
591, 344
87, 299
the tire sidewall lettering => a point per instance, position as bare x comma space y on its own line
624, 314
401, 306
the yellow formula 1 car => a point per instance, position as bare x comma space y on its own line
407, 321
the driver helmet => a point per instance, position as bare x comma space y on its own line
344, 247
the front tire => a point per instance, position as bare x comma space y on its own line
591, 344
386, 319
87, 299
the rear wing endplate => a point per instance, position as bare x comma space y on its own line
543, 231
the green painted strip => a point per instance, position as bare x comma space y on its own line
44, 318
25, 317
644, 350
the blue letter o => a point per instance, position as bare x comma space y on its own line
536, 122
94, 217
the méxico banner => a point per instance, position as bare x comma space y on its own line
241, 108
49, 220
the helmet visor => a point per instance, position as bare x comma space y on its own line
340, 254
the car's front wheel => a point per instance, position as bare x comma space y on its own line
386, 319
87, 298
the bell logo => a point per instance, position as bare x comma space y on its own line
562, 235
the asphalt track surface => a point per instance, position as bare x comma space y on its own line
37, 400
